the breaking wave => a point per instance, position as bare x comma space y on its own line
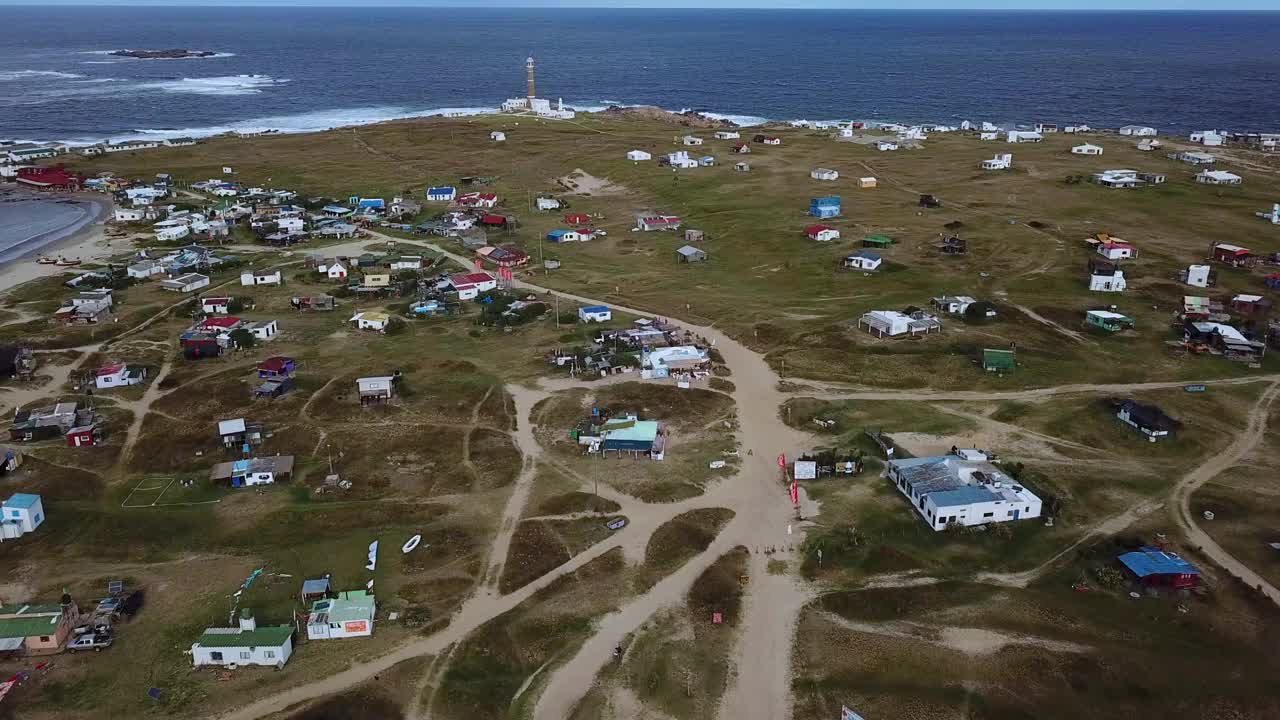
11, 75
223, 85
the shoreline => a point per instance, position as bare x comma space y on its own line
85, 238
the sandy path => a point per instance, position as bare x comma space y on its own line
1234, 453
832, 391
1232, 456
1074, 335
527, 444
968, 640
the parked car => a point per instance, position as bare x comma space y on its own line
90, 641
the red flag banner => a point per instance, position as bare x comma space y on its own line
795, 493
782, 460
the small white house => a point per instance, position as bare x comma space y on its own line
172, 232
691, 140
247, 644
595, 313
727, 135
1002, 161
681, 160
371, 320
185, 283
1138, 131
864, 260
1218, 177
348, 615
1208, 138
989, 136
263, 329
249, 277
1198, 276
824, 174
547, 203
1114, 282
22, 513
119, 375
1086, 149
144, 269
1024, 136
215, 305
638, 155
867, 182
498, 136
380, 387
1149, 145
128, 215
886, 145
336, 271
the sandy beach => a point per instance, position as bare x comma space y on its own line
89, 243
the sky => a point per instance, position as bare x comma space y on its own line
1082, 5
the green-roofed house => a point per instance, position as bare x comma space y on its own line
1109, 321
247, 644
348, 615
877, 241
36, 629
627, 434
997, 360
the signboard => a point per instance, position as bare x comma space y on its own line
806, 470
717, 618
1194, 388
355, 626
847, 714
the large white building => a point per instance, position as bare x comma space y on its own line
536, 105
964, 489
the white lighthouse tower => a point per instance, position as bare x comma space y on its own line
531, 103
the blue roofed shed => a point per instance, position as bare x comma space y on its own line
1161, 568
825, 207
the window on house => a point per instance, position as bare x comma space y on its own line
987, 515
269, 654
245, 654
215, 656
44, 638
1009, 514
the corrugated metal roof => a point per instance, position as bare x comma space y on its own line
1149, 561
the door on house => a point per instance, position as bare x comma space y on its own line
1015, 514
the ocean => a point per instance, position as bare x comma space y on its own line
303, 69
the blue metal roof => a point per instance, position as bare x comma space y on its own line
22, 500
595, 309
557, 233
441, 190
1149, 561
962, 496
866, 254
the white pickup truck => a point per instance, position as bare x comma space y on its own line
90, 641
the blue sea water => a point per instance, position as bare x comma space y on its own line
298, 68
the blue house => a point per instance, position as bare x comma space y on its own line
371, 204
825, 207
23, 513
441, 194
556, 236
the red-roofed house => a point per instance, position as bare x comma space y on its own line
1234, 255
506, 256
476, 199
658, 222
577, 219
48, 178
822, 233
493, 220
1117, 250
276, 367
119, 375
470, 285
217, 305
220, 323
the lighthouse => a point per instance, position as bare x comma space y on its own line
528, 66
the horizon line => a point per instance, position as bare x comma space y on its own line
429, 4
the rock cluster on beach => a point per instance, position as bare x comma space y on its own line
171, 54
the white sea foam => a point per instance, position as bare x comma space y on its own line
221, 85
99, 62
11, 75
109, 52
